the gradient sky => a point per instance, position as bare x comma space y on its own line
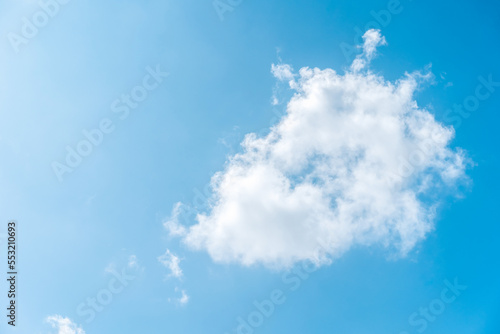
108, 213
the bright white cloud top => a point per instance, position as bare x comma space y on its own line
351, 163
372, 39
64, 325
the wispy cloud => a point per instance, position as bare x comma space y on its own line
172, 224
182, 300
371, 40
132, 262
282, 72
172, 262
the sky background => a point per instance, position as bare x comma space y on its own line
109, 212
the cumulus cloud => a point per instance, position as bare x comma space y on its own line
172, 262
64, 325
355, 161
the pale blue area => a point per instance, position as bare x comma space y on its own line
113, 204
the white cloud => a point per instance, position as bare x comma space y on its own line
282, 72
172, 224
371, 40
355, 161
182, 300
64, 325
132, 262
172, 262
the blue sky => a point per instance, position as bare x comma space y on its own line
109, 217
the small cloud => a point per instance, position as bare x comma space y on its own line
372, 39
282, 72
443, 77
64, 325
132, 262
182, 300
172, 225
171, 262
275, 100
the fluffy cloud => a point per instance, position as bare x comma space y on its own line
64, 325
172, 262
355, 161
